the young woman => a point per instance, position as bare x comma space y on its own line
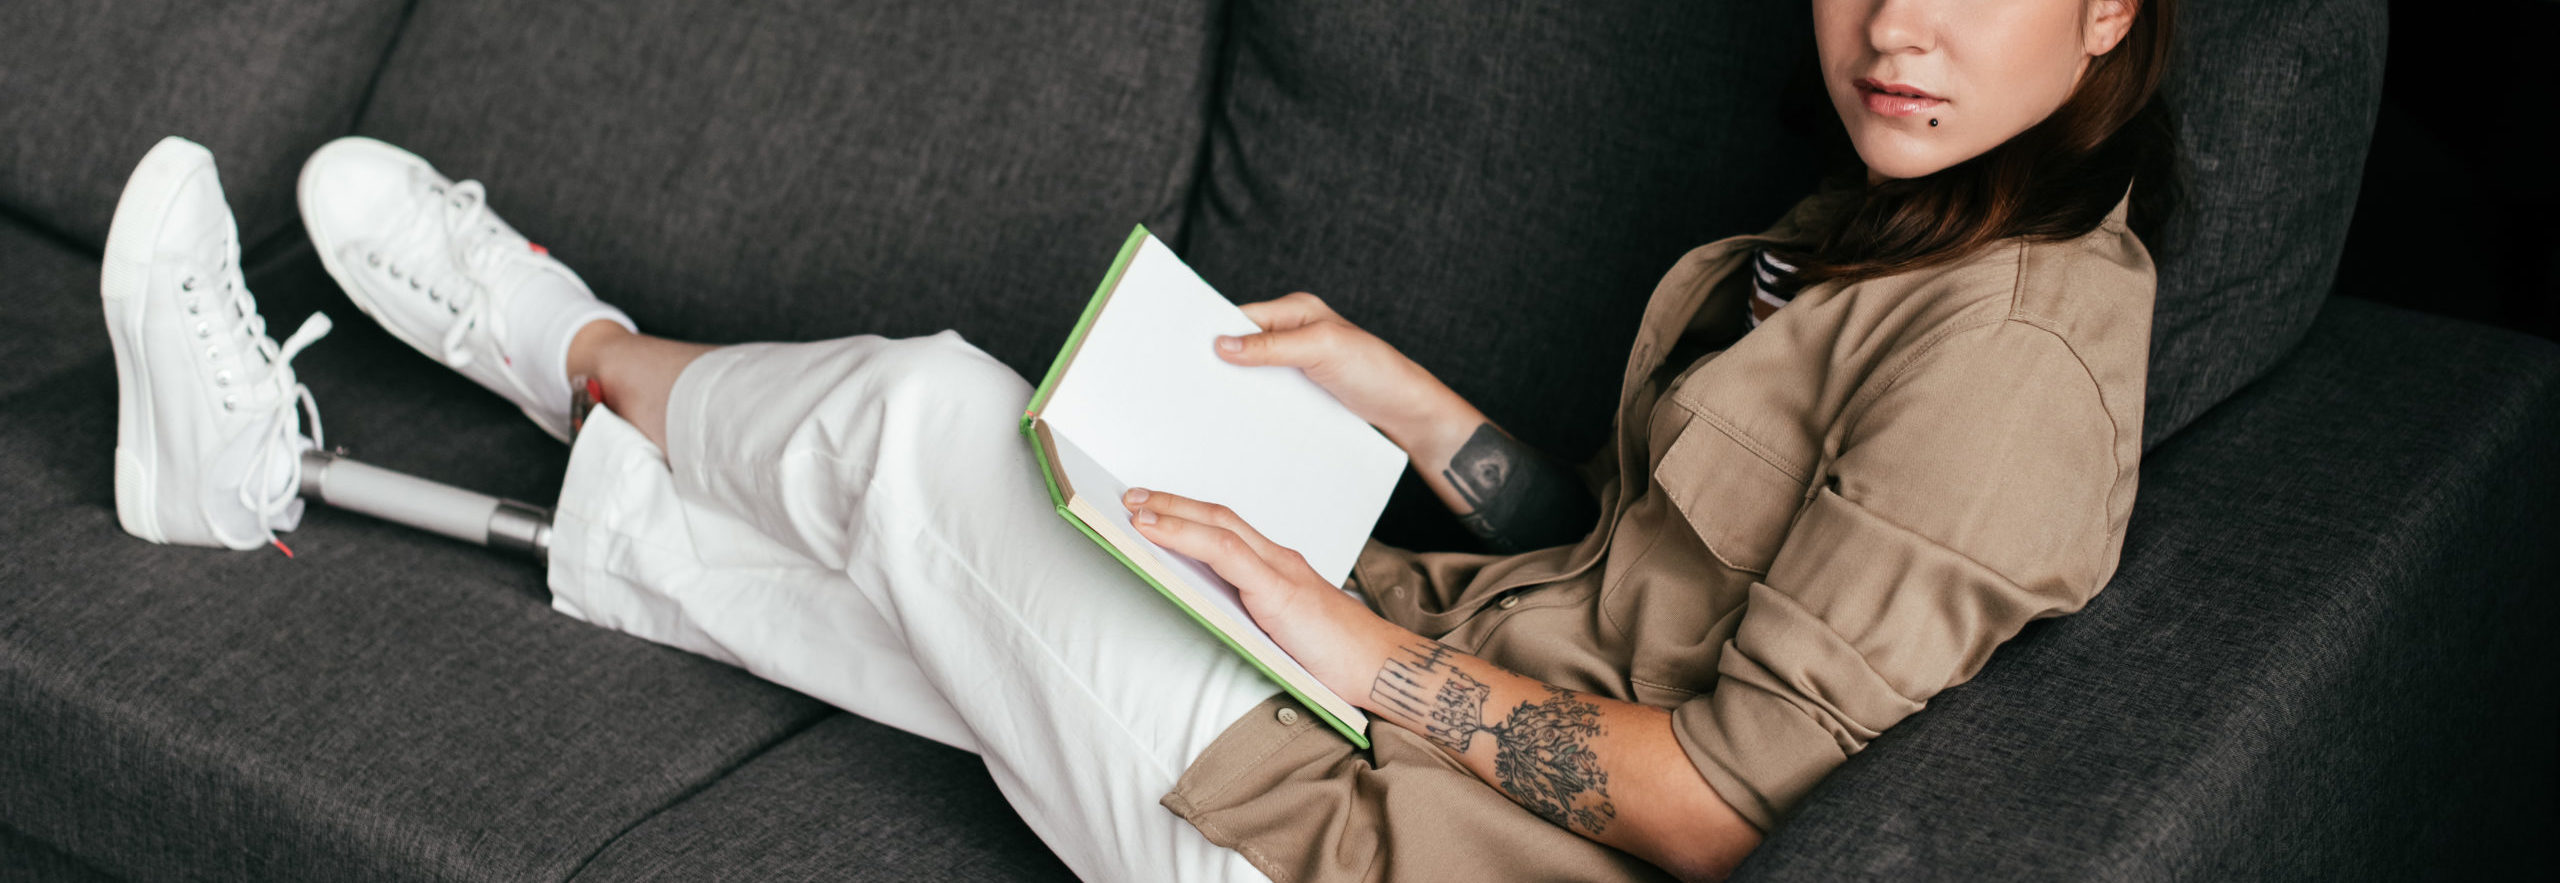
1854, 454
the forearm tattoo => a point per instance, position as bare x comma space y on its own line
1542, 751
1520, 499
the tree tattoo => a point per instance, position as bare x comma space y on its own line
1519, 499
1542, 750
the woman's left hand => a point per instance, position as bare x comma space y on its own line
1341, 641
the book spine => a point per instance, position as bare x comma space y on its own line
1138, 237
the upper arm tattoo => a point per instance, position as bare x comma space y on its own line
1521, 500
1543, 756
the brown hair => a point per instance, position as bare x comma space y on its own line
2056, 180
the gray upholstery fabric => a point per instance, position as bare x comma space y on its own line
2275, 103
50, 316
797, 171
27, 861
2324, 657
386, 706
86, 88
2309, 664
848, 799
1496, 188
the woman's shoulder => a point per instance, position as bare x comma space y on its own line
2093, 292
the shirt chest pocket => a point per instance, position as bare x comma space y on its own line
1741, 497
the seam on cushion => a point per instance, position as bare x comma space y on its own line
1221, 64
364, 100
48, 232
687, 795
46, 376
76, 859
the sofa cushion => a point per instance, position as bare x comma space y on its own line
388, 705
86, 88
848, 799
2325, 655
784, 170
27, 861
1495, 189
50, 315
2275, 102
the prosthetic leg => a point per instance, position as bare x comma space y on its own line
471, 517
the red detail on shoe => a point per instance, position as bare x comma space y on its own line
281, 547
537, 248
595, 390
510, 360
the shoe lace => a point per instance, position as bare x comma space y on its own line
453, 235
477, 246
235, 328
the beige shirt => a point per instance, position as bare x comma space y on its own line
1805, 536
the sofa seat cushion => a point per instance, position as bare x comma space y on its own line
2325, 655
848, 799
787, 170
389, 705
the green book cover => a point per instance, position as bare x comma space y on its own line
1321, 440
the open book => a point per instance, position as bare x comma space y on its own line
1139, 398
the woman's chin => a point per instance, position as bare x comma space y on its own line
1890, 164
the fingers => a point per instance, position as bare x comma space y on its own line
1288, 311
1202, 531
1194, 511
1305, 346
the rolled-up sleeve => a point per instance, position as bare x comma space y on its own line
1974, 491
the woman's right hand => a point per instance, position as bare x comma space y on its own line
1369, 376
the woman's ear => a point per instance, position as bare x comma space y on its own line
2107, 23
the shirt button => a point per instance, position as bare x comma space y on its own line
1288, 717
1508, 602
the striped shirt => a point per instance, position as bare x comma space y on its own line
1772, 285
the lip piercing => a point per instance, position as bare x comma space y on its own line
1933, 122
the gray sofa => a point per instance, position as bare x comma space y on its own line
2324, 654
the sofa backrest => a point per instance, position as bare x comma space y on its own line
1495, 188
2276, 101
1492, 186
788, 170
86, 88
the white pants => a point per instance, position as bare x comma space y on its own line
861, 520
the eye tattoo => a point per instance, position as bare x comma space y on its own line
1519, 499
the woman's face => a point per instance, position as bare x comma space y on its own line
1982, 70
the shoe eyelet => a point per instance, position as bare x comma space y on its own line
213, 354
187, 284
231, 403
194, 308
222, 378
434, 296
395, 271
413, 284
373, 259
204, 331
453, 306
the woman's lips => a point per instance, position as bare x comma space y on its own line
1896, 99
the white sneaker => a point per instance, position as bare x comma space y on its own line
208, 442
424, 256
